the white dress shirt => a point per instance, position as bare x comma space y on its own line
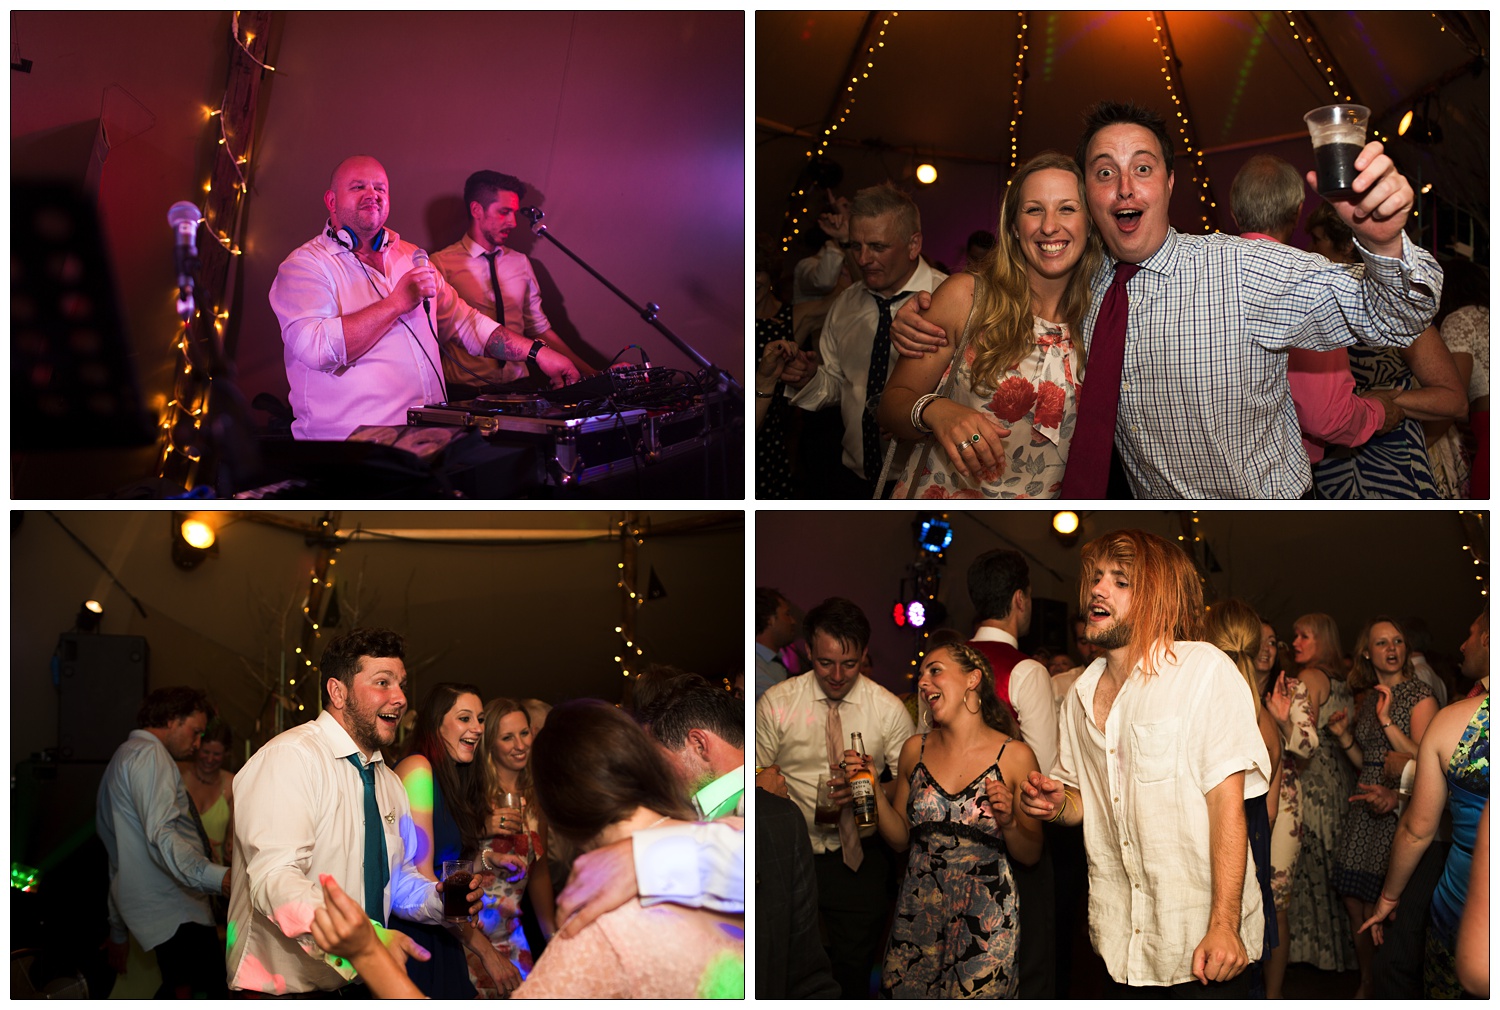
319, 284
1168, 740
699, 865
158, 871
299, 812
1031, 697
814, 276
464, 265
848, 334
791, 721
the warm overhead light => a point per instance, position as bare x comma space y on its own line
1065, 523
926, 174
192, 541
198, 534
1405, 122
90, 613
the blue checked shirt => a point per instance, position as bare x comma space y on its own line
1205, 410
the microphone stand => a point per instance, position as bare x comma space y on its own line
649, 313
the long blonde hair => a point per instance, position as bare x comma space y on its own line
1003, 332
1234, 627
495, 710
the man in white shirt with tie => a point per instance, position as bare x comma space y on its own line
803, 726
300, 811
776, 629
497, 281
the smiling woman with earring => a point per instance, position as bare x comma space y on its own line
955, 807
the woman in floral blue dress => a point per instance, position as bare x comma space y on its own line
1000, 408
955, 933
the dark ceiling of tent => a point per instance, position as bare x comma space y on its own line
941, 90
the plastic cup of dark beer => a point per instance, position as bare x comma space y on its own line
1338, 135
458, 881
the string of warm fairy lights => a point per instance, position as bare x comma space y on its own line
1016, 92
802, 199
181, 420
1172, 66
1323, 62
631, 537
1475, 526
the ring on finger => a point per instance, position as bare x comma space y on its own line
962, 446
974, 438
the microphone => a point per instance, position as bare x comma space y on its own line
535, 214
419, 259
184, 218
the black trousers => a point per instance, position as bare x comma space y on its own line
1236, 988
192, 964
1036, 950
854, 908
1401, 958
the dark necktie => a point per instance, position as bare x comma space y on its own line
377, 865
880, 362
495, 286
1087, 474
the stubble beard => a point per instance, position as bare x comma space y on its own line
364, 728
1116, 636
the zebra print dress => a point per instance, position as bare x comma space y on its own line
1393, 465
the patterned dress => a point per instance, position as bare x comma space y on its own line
1465, 331
1315, 917
1286, 833
955, 931
773, 463
1365, 844
1037, 400
1393, 465
505, 933
1468, 776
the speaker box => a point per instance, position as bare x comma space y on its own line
101, 680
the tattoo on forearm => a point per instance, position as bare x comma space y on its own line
504, 345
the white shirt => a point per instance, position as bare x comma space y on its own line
319, 284
464, 265
814, 276
848, 333
1427, 675
299, 812
791, 721
158, 871
1031, 697
699, 865
1168, 740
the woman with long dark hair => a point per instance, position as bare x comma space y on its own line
956, 929
518, 829
600, 779
448, 810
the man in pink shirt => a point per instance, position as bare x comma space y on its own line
1266, 200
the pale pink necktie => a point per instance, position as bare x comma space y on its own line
848, 833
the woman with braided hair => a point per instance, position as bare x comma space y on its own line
956, 928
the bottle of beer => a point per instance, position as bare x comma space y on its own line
862, 785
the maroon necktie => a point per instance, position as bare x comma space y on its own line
1087, 475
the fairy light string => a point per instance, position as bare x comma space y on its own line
1338, 83
1171, 70
861, 66
182, 446
1017, 90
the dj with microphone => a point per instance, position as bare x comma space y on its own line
362, 313
496, 280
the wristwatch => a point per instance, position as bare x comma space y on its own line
536, 348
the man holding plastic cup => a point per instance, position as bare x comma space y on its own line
1204, 409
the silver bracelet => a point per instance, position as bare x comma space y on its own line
916, 412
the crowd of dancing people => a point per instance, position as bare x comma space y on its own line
1213, 798
1056, 363
600, 857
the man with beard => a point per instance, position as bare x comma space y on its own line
497, 281
1198, 367
360, 317
319, 799
1158, 750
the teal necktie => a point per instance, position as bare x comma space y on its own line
377, 869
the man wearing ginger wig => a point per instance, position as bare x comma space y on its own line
1157, 752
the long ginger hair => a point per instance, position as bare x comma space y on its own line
1166, 601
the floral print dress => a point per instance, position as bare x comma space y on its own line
502, 900
1286, 833
1037, 400
955, 931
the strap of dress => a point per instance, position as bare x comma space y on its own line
998, 757
922, 749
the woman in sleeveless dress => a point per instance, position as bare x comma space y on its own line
955, 932
211, 786
1392, 717
1315, 916
446, 794
518, 830
999, 408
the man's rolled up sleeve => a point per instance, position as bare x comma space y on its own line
312, 326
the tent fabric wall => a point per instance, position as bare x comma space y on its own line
1350, 564
628, 126
521, 620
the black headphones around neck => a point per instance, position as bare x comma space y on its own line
352, 244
